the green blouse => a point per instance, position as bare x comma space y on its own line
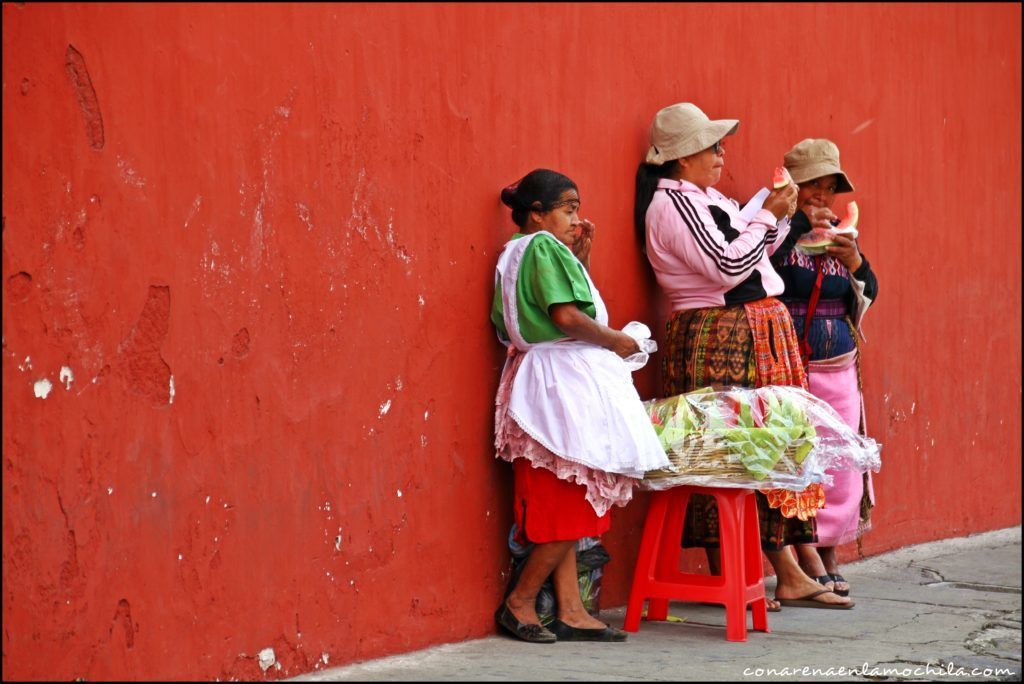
548, 274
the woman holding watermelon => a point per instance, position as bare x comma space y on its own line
827, 294
727, 328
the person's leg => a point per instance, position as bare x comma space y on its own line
831, 565
714, 555
543, 559
792, 582
811, 562
567, 593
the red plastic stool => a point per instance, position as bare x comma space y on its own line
657, 577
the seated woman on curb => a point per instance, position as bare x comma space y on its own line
726, 328
566, 413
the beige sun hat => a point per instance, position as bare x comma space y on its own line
813, 158
682, 129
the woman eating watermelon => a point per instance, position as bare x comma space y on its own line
727, 327
829, 287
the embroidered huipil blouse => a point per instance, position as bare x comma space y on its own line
844, 295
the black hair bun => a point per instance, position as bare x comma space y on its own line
509, 197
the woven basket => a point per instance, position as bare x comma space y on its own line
700, 455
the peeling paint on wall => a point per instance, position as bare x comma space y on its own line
66, 377
19, 286
42, 388
266, 658
304, 215
240, 343
74, 65
129, 175
144, 368
123, 616
195, 208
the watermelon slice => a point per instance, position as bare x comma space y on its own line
781, 177
849, 222
815, 241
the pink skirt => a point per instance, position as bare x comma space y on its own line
838, 521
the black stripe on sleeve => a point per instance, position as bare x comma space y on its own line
707, 244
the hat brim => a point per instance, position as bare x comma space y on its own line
706, 136
806, 174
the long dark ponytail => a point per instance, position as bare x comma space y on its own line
647, 177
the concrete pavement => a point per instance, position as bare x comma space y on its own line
945, 610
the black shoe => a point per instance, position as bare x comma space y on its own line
836, 579
535, 634
566, 632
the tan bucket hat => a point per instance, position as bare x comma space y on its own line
682, 129
813, 158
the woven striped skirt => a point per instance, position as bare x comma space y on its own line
746, 345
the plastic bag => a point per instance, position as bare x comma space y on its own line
773, 437
591, 557
642, 334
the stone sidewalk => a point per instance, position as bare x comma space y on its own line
945, 610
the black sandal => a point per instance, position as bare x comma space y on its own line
836, 578
823, 579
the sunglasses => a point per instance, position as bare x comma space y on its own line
717, 148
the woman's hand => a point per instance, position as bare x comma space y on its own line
624, 345
846, 251
578, 325
584, 241
782, 202
819, 216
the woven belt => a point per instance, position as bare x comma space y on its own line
827, 308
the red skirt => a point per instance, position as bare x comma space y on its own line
548, 509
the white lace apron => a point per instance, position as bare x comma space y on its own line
575, 398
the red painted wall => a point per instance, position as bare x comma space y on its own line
262, 238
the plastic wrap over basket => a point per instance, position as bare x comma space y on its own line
772, 437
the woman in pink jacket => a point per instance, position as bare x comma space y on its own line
727, 328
